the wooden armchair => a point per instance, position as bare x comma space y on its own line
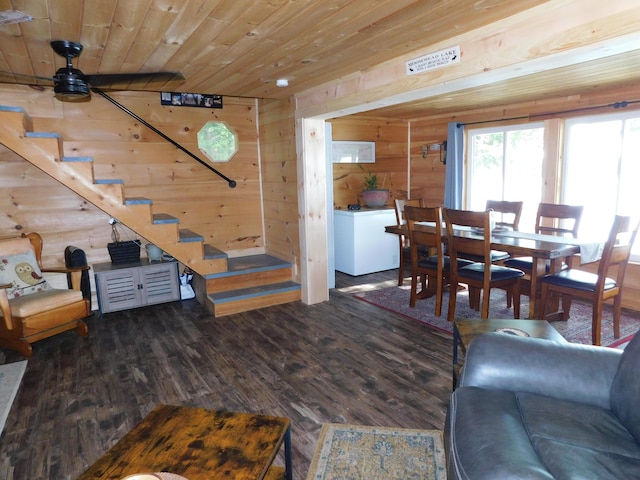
31, 309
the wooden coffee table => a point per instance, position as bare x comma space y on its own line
466, 330
199, 444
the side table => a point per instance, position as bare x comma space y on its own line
464, 331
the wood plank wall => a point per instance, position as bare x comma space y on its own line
279, 180
391, 159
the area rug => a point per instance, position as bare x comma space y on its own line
576, 330
10, 378
360, 452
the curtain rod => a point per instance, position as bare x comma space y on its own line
621, 104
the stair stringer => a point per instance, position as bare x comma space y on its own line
45, 151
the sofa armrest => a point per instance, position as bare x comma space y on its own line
569, 371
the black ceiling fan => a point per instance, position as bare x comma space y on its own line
69, 83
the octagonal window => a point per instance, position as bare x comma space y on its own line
217, 141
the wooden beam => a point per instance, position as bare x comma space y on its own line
552, 35
312, 207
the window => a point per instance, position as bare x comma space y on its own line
601, 170
217, 141
505, 163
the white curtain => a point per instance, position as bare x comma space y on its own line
455, 166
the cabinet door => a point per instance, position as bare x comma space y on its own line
159, 283
118, 289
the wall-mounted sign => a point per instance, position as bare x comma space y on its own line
183, 99
431, 61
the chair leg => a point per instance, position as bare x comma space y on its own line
544, 295
566, 306
453, 290
596, 322
414, 289
486, 294
438, 296
516, 299
617, 310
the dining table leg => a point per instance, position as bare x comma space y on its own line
538, 271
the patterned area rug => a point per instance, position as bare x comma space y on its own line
577, 329
10, 377
380, 453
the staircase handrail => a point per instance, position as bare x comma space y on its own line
232, 183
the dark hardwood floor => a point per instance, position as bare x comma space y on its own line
343, 361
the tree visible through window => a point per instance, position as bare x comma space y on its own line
505, 163
217, 141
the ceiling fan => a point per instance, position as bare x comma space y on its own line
69, 83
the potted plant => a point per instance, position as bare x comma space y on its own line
372, 195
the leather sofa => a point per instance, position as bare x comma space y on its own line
537, 409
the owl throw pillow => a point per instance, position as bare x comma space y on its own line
21, 271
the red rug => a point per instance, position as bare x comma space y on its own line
577, 329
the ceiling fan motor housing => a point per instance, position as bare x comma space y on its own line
69, 83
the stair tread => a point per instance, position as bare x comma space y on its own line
77, 159
108, 181
164, 218
187, 235
251, 292
251, 264
9, 108
138, 201
42, 135
211, 252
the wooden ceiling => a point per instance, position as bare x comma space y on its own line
240, 47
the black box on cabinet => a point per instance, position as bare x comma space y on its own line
124, 252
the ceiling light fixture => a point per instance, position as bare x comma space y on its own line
282, 82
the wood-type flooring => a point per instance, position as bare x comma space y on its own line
342, 361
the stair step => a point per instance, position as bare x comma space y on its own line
189, 236
108, 181
138, 201
77, 159
164, 218
250, 264
211, 253
245, 299
42, 135
8, 108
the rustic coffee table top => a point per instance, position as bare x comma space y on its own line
198, 444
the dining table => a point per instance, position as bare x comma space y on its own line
547, 251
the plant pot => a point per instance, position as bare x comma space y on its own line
375, 198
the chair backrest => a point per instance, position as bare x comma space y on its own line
617, 249
400, 203
422, 236
557, 219
476, 243
507, 214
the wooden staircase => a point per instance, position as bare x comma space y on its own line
233, 285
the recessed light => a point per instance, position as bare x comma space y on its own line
282, 82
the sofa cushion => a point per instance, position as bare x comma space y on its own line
486, 430
19, 268
573, 462
593, 429
625, 390
28, 305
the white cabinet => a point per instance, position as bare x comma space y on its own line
120, 287
361, 244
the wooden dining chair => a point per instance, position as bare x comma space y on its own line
433, 268
403, 240
551, 219
507, 214
596, 288
481, 277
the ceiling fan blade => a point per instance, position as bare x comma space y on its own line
99, 80
24, 79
